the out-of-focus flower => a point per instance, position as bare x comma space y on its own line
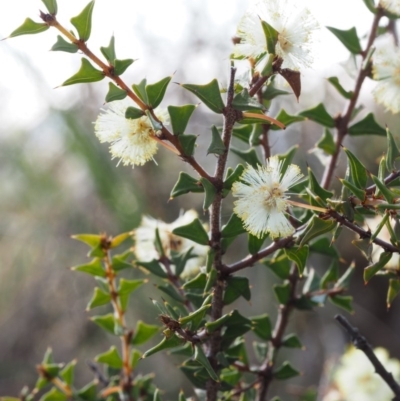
145, 236
386, 69
263, 200
393, 6
296, 29
355, 378
132, 140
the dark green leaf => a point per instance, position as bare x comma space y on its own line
344, 280
196, 374
143, 332
235, 288
315, 228
271, 91
188, 143
88, 392
286, 158
193, 231
282, 292
349, 39
120, 66
286, 119
140, 90
374, 268
261, 325
242, 101
233, 176
209, 94
233, 227
385, 191
133, 113
260, 350
249, 156
243, 132
254, 243
106, 322
195, 317
211, 279
156, 124
271, 36
51, 6
316, 187
196, 283
95, 268
171, 291
370, 5
83, 22
319, 115
180, 116
280, 266
285, 371
358, 173
115, 93
155, 92
126, 287
186, 184
393, 290
210, 192
153, 267
54, 395
367, 126
201, 358
87, 73
64, 46
360, 193
325, 247
335, 82
291, 341
171, 341
393, 152
327, 143
135, 357
331, 275
298, 256
216, 147
29, 27
99, 298
67, 373
343, 301
110, 358
109, 51
216, 324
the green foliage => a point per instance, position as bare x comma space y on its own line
180, 116
209, 94
64, 46
87, 73
319, 115
29, 27
51, 6
349, 39
193, 231
83, 22
367, 126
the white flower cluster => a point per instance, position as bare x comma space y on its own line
133, 141
263, 200
386, 70
393, 6
145, 236
296, 28
355, 379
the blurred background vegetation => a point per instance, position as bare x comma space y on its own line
57, 180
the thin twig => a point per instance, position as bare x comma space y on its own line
361, 343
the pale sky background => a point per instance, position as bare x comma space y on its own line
132, 22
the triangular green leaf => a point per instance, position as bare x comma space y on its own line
249, 156
95, 268
143, 332
271, 36
367, 126
286, 119
319, 115
140, 90
392, 151
201, 358
109, 51
51, 6
216, 147
209, 94
393, 290
233, 227
236, 287
167, 342
153, 267
186, 184
298, 256
29, 27
87, 73
242, 101
371, 270
110, 358
315, 228
327, 143
83, 22
99, 298
106, 322
188, 143
180, 116
358, 173
210, 192
64, 46
261, 325
349, 39
343, 301
120, 66
335, 82
133, 113
193, 231
155, 92
285, 371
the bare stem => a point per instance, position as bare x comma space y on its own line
230, 117
361, 343
342, 121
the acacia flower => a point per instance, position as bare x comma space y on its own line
386, 69
133, 141
356, 380
145, 236
393, 6
296, 29
263, 200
